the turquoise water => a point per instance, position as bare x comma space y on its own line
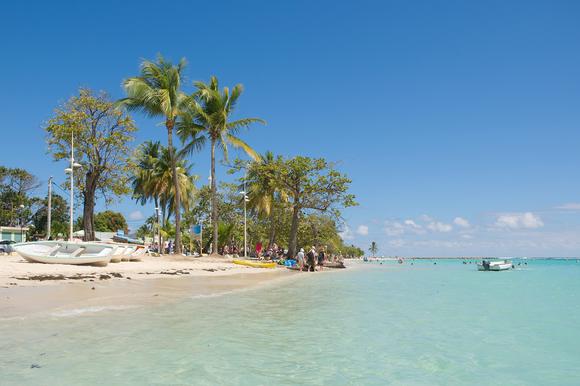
424, 324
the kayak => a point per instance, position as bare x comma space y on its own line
255, 264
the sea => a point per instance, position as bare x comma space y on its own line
423, 322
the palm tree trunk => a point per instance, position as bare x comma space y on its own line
293, 232
158, 224
214, 209
177, 204
272, 227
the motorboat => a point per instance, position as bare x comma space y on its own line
494, 265
65, 252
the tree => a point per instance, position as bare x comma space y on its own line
373, 249
101, 133
312, 184
109, 221
153, 178
264, 194
15, 201
208, 116
59, 216
157, 92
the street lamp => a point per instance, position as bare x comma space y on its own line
158, 230
21, 221
70, 170
246, 199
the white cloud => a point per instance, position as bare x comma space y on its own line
437, 226
136, 215
362, 230
395, 228
412, 224
346, 234
570, 206
526, 220
460, 221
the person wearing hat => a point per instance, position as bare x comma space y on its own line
311, 259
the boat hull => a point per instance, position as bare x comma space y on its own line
56, 252
255, 264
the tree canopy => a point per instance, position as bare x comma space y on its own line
102, 133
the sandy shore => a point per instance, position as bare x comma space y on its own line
27, 289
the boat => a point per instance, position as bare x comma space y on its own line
334, 264
64, 252
495, 265
255, 264
138, 253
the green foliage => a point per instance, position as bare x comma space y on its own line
107, 221
102, 134
157, 92
15, 188
374, 248
153, 177
208, 117
59, 217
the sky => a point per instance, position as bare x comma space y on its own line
458, 121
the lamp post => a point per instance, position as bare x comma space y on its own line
21, 222
70, 171
49, 209
157, 230
245, 219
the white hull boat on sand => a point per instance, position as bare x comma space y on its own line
63, 252
124, 252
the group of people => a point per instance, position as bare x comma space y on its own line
311, 259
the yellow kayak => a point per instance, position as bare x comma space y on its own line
255, 264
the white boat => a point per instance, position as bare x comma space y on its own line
138, 253
64, 252
496, 265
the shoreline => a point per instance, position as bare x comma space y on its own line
64, 290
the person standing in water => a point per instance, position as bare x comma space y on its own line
321, 257
300, 259
311, 259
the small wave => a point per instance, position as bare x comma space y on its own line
89, 310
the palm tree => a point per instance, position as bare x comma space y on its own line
208, 116
157, 92
263, 192
143, 179
153, 179
373, 248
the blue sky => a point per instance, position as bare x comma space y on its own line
457, 121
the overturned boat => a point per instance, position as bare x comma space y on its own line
64, 252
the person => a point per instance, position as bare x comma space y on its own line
258, 249
300, 259
311, 259
321, 256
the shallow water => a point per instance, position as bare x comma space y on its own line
420, 324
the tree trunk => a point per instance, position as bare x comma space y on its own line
214, 209
176, 199
89, 207
293, 232
272, 227
158, 225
